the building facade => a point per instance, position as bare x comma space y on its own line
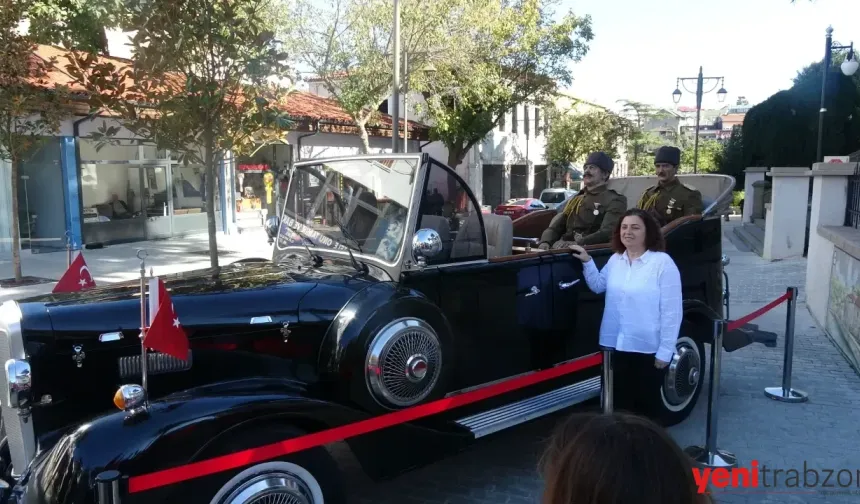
126, 190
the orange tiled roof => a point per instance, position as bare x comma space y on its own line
299, 105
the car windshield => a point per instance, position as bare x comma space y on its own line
361, 204
519, 202
553, 197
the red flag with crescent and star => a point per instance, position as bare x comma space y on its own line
76, 278
165, 333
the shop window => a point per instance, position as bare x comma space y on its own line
189, 189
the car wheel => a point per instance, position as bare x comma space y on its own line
682, 382
305, 477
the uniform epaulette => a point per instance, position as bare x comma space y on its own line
688, 186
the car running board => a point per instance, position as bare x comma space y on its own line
509, 415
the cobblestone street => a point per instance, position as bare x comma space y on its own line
822, 433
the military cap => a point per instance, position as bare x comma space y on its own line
667, 154
600, 160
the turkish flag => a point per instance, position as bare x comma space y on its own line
165, 333
76, 278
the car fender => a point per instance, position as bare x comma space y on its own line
172, 432
345, 344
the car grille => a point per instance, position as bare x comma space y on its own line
17, 424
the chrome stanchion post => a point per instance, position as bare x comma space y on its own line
709, 456
141, 254
107, 487
607, 387
785, 393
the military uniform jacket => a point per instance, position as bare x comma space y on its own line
588, 218
671, 201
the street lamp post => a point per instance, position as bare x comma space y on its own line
700, 80
849, 66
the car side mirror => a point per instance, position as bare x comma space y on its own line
426, 244
726, 260
273, 223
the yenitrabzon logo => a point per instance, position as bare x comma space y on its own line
762, 478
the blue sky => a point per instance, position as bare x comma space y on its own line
640, 47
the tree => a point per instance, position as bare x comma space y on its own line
783, 130
710, 153
515, 53
731, 162
348, 44
641, 142
30, 108
202, 76
573, 136
78, 24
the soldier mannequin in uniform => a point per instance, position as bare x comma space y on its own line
591, 215
670, 199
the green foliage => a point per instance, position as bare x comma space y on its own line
732, 160
513, 52
30, 108
641, 143
710, 153
783, 130
348, 44
201, 76
76, 24
572, 137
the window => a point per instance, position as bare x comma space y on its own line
526, 124
449, 207
537, 121
514, 119
502, 122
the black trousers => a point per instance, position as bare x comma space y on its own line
637, 384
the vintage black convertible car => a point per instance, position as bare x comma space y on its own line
387, 289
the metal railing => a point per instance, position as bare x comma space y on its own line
852, 209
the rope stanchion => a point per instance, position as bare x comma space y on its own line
607, 399
785, 393
709, 456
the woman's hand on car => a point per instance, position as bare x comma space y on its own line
580, 253
660, 364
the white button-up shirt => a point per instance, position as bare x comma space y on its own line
644, 304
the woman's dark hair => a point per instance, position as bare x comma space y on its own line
653, 234
597, 458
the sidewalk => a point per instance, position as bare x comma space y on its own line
823, 432
117, 263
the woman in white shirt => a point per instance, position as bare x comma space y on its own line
644, 308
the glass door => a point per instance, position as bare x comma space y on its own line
159, 205
113, 203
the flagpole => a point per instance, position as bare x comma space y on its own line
141, 254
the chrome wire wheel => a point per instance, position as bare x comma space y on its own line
272, 483
683, 375
404, 362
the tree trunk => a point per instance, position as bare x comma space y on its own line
14, 224
211, 173
455, 157
365, 139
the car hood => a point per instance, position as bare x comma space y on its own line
228, 295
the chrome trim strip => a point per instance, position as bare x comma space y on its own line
17, 424
509, 415
264, 319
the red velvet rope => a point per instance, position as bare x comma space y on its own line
251, 456
731, 326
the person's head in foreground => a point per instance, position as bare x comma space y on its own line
595, 458
637, 231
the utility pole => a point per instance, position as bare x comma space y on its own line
395, 115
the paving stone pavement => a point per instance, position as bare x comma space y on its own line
823, 433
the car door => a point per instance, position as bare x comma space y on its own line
496, 307
577, 310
